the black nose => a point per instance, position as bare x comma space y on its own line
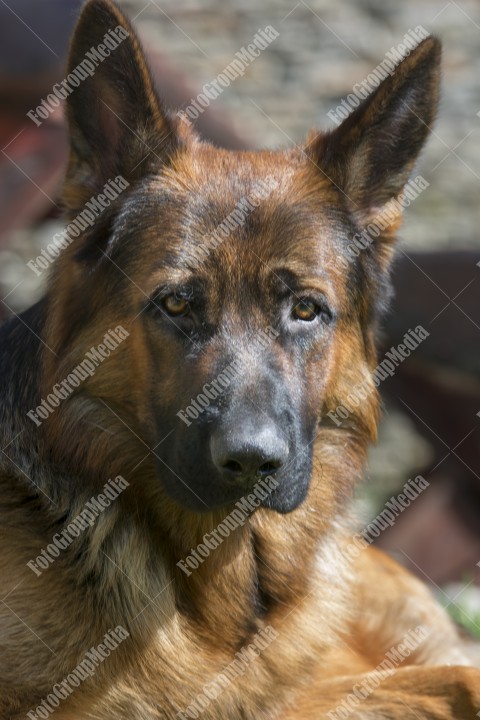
248, 451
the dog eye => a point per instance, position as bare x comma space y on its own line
306, 310
175, 305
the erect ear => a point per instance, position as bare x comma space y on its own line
116, 123
371, 155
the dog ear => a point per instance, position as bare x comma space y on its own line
116, 123
371, 155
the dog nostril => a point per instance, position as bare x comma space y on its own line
268, 468
234, 467
249, 453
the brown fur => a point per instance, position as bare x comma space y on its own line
335, 621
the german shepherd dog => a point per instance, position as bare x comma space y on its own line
176, 540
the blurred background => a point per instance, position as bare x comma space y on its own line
431, 420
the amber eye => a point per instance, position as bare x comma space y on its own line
306, 310
175, 305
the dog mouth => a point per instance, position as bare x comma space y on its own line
207, 490
238, 454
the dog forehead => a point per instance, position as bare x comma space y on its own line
224, 175
278, 201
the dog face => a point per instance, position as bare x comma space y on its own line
238, 325
248, 322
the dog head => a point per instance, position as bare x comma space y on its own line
249, 319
